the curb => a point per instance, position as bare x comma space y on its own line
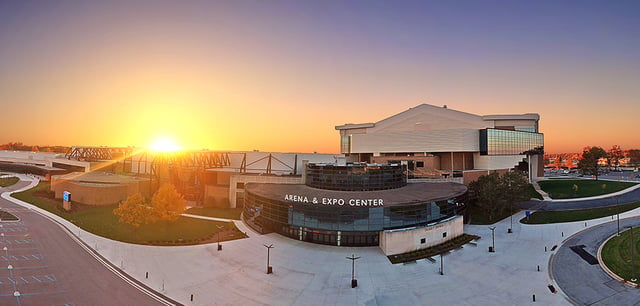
606, 269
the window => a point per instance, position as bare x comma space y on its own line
444, 235
240, 185
419, 164
423, 240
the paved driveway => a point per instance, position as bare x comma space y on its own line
585, 283
40, 264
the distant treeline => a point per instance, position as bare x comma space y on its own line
19, 146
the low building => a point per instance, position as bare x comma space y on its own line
99, 188
358, 205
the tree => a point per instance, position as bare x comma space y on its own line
134, 211
514, 187
487, 193
167, 203
558, 162
634, 156
569, 163
496, 194
615, 155
588, 164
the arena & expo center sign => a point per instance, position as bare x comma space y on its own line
333, 201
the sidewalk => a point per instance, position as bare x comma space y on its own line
545, 196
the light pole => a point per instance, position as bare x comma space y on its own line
354, 281
220, 227
269, 268
510, 230
618, 216
633, 273
510, 219
492, 248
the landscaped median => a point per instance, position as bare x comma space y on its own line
559, 216
442, 248
101, 221
8, 181
616, 255
573, 189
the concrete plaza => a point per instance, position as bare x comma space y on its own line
310, 274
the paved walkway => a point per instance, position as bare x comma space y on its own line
310, 274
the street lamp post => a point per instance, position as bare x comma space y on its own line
492, 248
219, 229
633, 273
618, 217
269, 268
354, 281
510, 219
510, 230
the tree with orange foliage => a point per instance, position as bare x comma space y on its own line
615, 155
134, 211
558, 162
167, 203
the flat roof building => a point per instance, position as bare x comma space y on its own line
440, 142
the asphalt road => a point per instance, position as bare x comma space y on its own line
43, 265
585, 283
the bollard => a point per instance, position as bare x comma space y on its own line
146, 275
585, 224
538, 268
192, 297
562, 234
534, 297
545, 248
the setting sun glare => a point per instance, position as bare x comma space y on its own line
164, 145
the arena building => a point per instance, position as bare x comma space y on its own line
440, 142
358, 205
402, 181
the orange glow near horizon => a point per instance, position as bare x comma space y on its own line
227, 76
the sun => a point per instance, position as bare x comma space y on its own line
164, 145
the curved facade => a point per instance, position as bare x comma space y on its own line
357, 177
348, 218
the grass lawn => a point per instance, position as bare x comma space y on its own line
564, 188
543, 217
217, 212
8, 181
534, 194
101, 221
616, 254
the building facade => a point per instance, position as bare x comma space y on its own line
357, 205
440, 142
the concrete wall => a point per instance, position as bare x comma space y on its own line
98, 193
236, 185
453, 140
491, 162
473, 175
407, 240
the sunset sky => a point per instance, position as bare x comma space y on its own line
279, 75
